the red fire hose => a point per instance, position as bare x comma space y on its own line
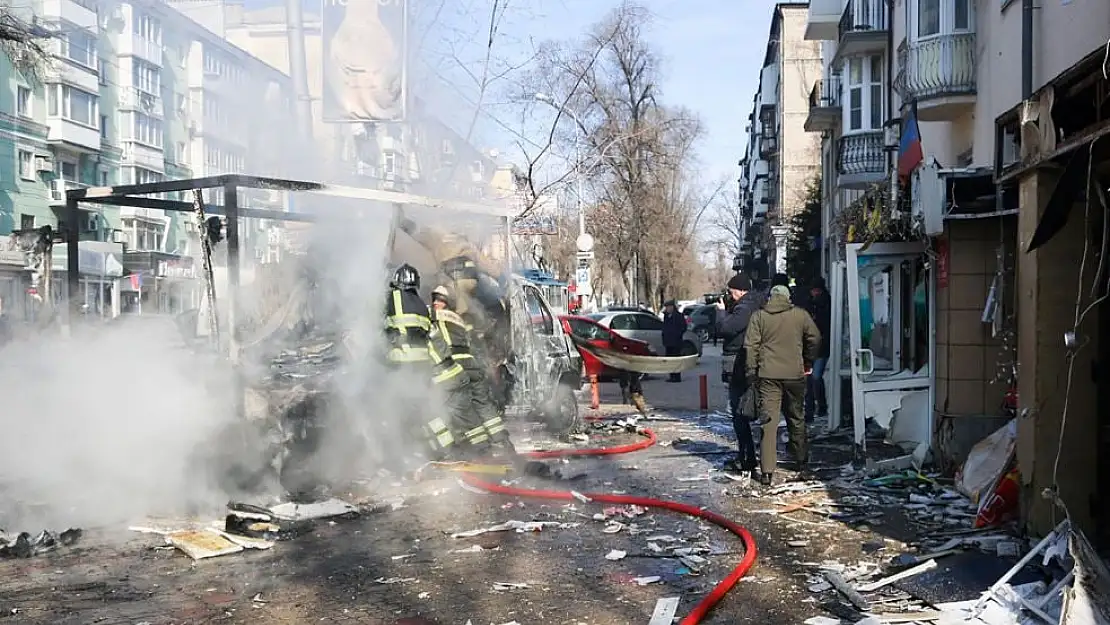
706, 604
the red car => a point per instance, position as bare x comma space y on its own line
586, 329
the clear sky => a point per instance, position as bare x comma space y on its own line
712, 51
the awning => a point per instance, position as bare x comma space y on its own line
94, 258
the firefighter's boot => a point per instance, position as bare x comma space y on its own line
639, 403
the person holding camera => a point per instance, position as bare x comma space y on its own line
741, 302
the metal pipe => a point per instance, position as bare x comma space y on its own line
298, 70
231, 206
73, 265
1026, 49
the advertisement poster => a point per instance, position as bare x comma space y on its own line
364, 57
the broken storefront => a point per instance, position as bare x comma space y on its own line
159, 283
100, 266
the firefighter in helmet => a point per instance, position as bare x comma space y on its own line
475, 413
408, 329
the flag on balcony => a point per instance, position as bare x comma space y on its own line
136, 281
910, 153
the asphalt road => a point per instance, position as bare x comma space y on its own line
403, 566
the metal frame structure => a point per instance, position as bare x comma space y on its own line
135, 195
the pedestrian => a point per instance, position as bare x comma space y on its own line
781, 343
742, 302
475, 417
819, 307
674, 326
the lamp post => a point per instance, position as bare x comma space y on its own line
585, 242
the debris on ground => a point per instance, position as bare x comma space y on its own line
23, 545
517, 526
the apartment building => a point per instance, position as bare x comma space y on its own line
952, 326
136, 92
782, 156
421, 155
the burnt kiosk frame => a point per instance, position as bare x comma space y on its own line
134, 195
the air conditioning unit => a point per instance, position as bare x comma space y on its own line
146, 102
44, 163
92, 222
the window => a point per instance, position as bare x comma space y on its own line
102, 70
542, 322
26, 222
588, 331
66, 170
648, 323
104, 127
146, 77
73, 104
79, 46
181, 153
146, 129
26, 165
145, 176
23, 99
143, 235
942, 17
389, 163
928, 18
623, 322
864, 110
147, 27
104, 179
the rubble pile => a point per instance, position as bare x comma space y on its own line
24, 545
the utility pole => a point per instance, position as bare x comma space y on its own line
298, 70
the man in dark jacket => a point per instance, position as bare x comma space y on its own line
674, 326
742, 301
781, 344
819, 307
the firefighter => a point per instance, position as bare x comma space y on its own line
477, 415
409, 334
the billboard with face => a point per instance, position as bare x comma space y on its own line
364, 58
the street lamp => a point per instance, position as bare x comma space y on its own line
585, 242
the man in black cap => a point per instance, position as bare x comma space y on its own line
741, 302
674, 327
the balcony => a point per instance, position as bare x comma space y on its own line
861, 160
940, 74
768, 146
72, 133
141, 155
130, 44
824, 105
823, 19
81, 14
132, 99
862, 28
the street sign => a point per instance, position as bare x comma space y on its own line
582, 279
585, 243
585, 255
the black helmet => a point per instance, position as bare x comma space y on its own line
406, 277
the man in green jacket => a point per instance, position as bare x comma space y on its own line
781, 343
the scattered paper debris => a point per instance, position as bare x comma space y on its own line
664, 611
580, 497
394, 580
644, 581
311, 511
503, 586
202, 544
474, 549
615, 554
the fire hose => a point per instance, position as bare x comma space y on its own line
718, 592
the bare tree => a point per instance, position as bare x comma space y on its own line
726, 223
21, 43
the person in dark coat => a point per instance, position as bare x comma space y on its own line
742, 300
674, 326
819, 306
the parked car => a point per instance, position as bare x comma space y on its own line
599, 336
646, 327
703, 320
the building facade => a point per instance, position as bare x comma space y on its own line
782, 156
135, 92
946, 324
